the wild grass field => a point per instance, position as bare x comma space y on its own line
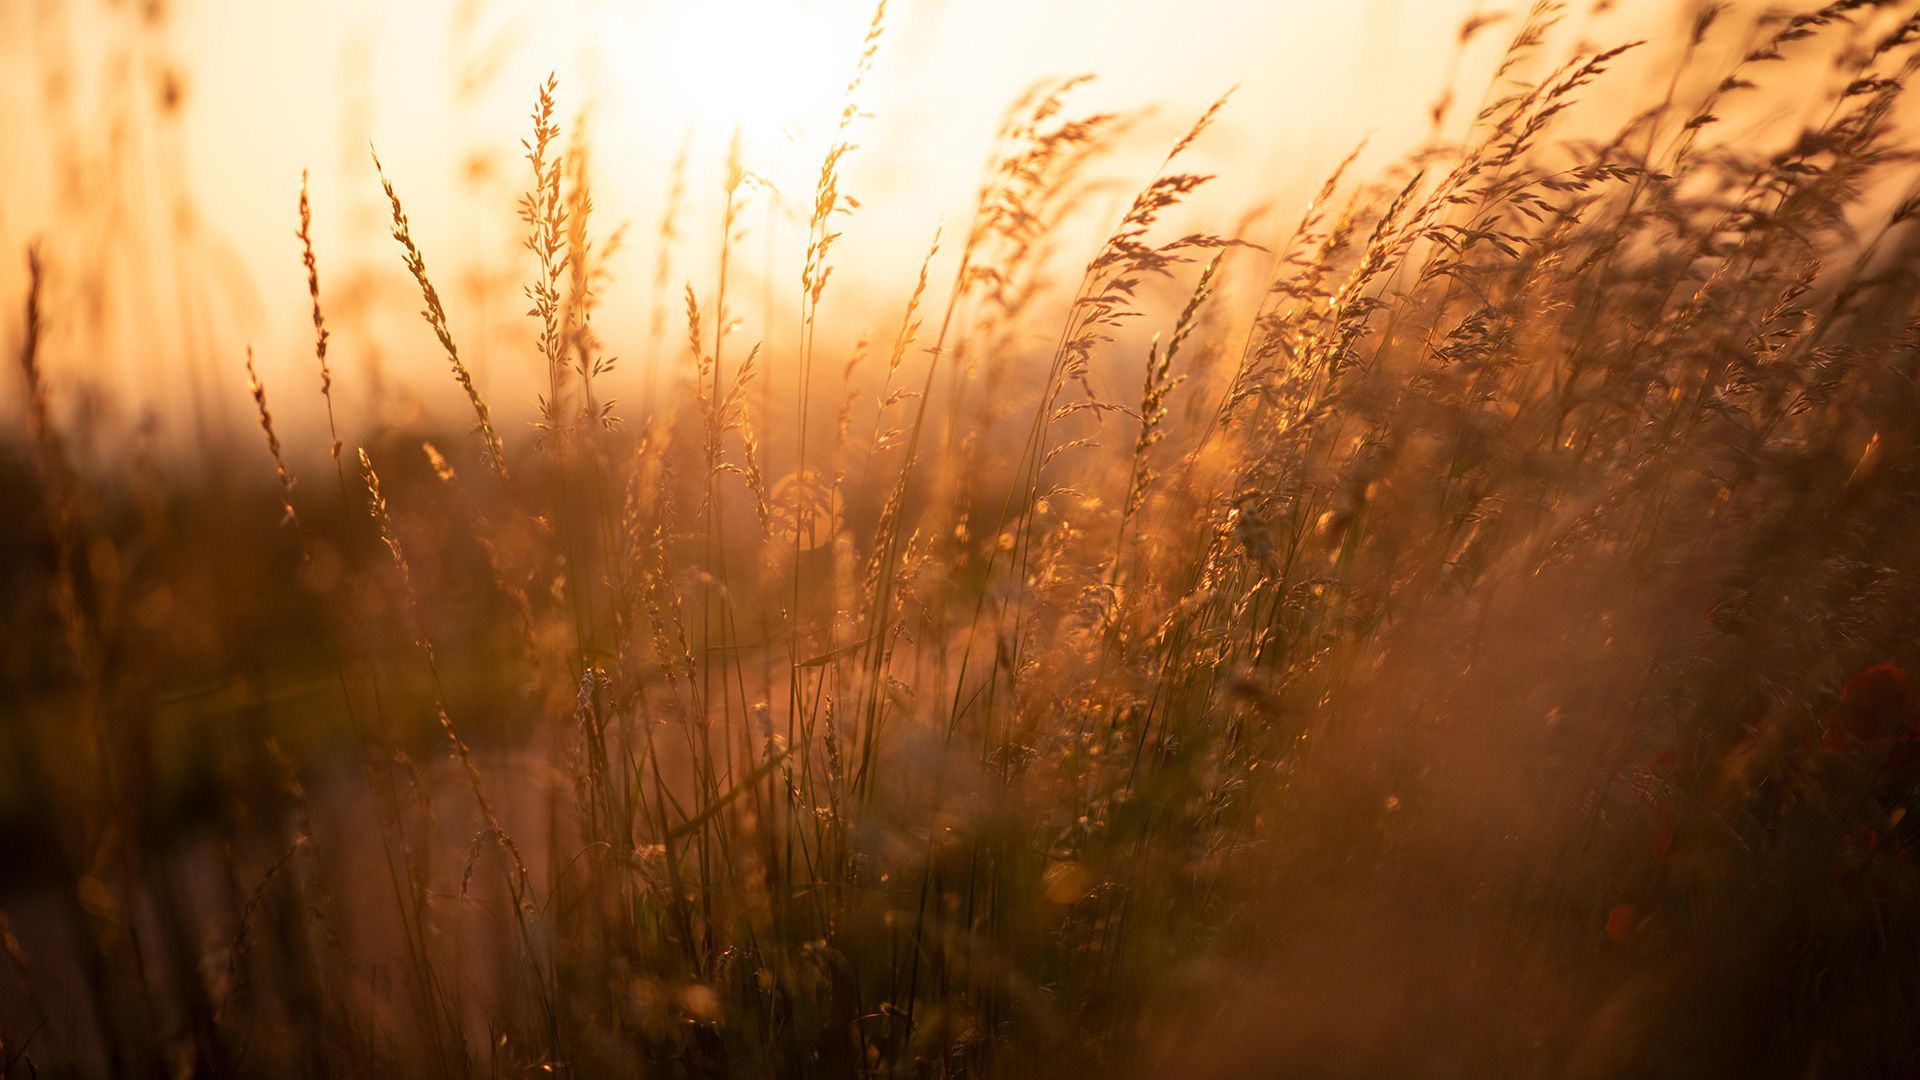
1456, 624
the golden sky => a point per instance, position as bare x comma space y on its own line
157, 148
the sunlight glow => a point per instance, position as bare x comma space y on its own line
772, 69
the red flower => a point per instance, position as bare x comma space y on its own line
1669, 824
1620, 921
1876, 704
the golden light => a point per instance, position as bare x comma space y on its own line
775, 70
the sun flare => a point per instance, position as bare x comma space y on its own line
772, 70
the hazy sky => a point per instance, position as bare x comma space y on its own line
158, 150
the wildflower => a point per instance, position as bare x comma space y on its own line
1621, 920
1875, 705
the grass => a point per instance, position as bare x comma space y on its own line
1480, 644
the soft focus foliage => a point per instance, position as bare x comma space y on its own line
1465, 632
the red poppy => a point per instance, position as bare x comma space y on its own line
1620, 920
1669, 824
1876, 704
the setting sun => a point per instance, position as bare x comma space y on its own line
774, 69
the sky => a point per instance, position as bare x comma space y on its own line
159, 146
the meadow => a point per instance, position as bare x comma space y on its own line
1456, 624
